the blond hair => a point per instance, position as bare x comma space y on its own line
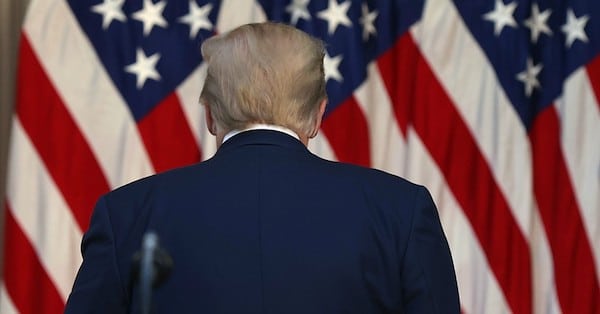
264, 73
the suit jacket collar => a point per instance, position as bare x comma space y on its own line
262, 137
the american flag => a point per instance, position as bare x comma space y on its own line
494, 105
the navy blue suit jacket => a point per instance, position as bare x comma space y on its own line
267, 227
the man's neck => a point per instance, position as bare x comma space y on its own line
222, 138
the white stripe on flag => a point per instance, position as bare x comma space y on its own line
6, 304
90, 96
545, 299
388, 146
189, 94
321, 147
234, 13
478, 288
42, 213
580, 131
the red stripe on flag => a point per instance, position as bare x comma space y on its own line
26, 281
55, 135
168, 137
467, 173
593, 70
393, 66
574, 269
348, 134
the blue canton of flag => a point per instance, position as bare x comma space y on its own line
534, 45
147, 47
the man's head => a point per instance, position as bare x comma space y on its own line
264, 73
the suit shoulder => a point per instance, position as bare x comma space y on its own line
146, 188
376, 178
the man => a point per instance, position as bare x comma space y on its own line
265, 226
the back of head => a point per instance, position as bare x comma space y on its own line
264, 73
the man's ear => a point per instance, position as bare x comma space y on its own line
210, 122
319, 117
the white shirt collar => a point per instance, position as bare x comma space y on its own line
260, 126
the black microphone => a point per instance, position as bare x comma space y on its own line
151, 267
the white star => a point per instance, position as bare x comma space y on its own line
110, 10
366, 20
574, 28
537, 22
502, 15
335, 15
529, 76
331, 65
298, 9
197, 18
144, 67
151, 15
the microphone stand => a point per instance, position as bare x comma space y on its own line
151, 266
147, 271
